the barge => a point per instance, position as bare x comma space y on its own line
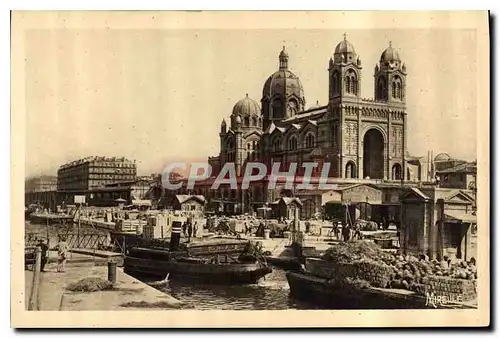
322, 291
50, 218
215, 261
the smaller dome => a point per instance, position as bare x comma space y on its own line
390, 54
246, 106
237, 119
344, 47
442, 157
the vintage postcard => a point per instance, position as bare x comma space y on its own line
250, 169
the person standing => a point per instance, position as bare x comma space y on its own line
62, 253
44, 247
189, 231
195, 229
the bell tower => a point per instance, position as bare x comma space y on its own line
344, 72
390, 77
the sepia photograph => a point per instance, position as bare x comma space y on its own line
250, 169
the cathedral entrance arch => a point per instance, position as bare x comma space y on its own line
373, 154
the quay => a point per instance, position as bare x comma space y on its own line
127, 293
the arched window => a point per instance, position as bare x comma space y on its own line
398, 91
254, 145
247, 121
277, 108
381, 89
249, 146
292, 143
310, 140
335, 82
350, 170
254, 121
394, 89
396, 171
277, 145
351, 82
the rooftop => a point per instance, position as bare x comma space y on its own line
469, 168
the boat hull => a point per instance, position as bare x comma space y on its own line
317, 290
244, 273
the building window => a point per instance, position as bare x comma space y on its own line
381, 88
335, 82
310, 140
350, 170
396, 171
292, 143
277, 145
351, 82
397, 88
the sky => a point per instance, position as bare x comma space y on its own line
159, 95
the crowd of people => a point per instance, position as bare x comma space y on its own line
346, 232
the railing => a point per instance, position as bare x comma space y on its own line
88, 241
35, 287
74, 240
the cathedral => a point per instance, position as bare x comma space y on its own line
362, 138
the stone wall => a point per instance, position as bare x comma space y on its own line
451, 288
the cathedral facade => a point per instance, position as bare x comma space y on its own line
360, 137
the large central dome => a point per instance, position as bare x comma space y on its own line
283, 94
284, 83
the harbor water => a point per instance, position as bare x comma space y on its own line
270, 293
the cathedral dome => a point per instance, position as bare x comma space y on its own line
344, 52
442, 157
246, 114
284, 83
246, 107
390, 54
344, 47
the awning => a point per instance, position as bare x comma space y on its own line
459, 216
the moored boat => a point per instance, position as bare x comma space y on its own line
217, 270
322, 291
45, 218
221, 261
